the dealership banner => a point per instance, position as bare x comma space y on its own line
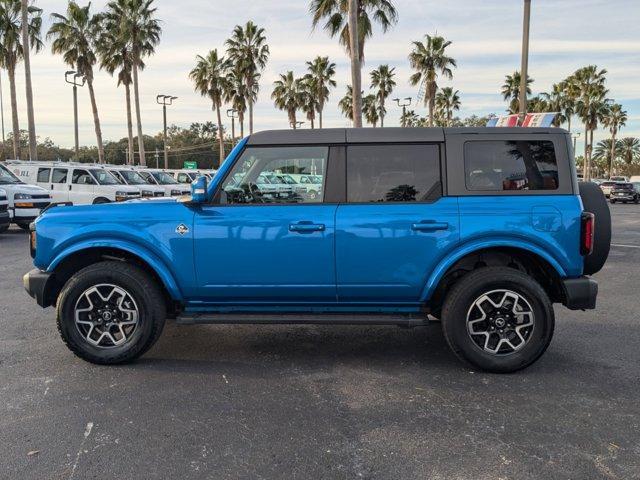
530, 120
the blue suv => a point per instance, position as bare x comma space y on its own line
482, 228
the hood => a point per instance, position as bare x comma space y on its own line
23, 188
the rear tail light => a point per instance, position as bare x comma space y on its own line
587, 223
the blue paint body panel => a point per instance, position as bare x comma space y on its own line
312, 257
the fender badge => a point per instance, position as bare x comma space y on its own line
182, 229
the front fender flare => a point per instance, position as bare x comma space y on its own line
158, 266
463, 250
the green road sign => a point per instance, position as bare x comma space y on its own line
190, 165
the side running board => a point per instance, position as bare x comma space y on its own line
303, 319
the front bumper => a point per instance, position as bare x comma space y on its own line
625, 197
38, 285
580, 293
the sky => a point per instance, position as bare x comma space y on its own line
485, 36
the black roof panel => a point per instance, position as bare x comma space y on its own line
380, 135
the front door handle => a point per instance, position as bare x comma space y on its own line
306, 227
429, 226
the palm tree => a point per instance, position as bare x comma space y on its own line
309, 101
430, 60
629, 149
590, 105
614, 119
287, 95
321, 71
382, 80
11, 51
511, 90
335, 12
371, 109
210, 79
237, 94
248, 51
409, 119
115, 55
133, 23
346, 103
74, 37
602, 151
448, 101
24, 19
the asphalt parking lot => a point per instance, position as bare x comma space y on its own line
326, 402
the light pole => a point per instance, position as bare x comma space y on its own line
575, 137
296, 125
165, 100
524, 67
231, 113
2, 115
77, 80
404, 103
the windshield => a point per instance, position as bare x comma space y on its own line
623, 186
103, 177
164, 178
132, 177
8, 178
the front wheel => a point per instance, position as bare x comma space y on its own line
498, 319
110, 313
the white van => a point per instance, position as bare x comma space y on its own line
76, 183
156, 176
128, 175
5, 220
25, 202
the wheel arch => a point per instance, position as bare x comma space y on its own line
78, 256
520, 255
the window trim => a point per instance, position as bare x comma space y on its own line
216, 197
498, 140
456, 181
441, 168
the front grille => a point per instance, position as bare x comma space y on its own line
40, 196
36, 204
158, 194
3, 198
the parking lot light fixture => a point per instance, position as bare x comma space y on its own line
77, 80
165, 100
404, 103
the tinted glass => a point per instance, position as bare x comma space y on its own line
132, 177
59, 175
43, 175
6, 177
164, 178
257, 177
510, 165
82, 177
393, 173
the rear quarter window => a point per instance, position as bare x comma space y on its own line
503, 165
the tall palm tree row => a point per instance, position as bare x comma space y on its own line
429, 59
74, 37
372, 110
629, 150
614, 119
210, 79
12, 51
134, 23
288, 95
238, 95
346, 103
320, 76
248, 51
383, 81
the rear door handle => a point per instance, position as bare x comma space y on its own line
429, 226
306, 227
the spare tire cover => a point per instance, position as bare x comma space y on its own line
595, 202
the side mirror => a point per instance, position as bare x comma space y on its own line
199, 190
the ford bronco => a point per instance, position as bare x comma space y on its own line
484, 229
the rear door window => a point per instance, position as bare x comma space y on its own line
393, 173
499, 165
82, 177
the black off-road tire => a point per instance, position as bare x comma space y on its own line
144, 290
595, 202
469, 288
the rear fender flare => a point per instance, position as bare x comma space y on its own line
443, 266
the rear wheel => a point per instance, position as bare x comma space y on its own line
498, 319
110, 313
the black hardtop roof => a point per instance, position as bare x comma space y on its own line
381, 135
